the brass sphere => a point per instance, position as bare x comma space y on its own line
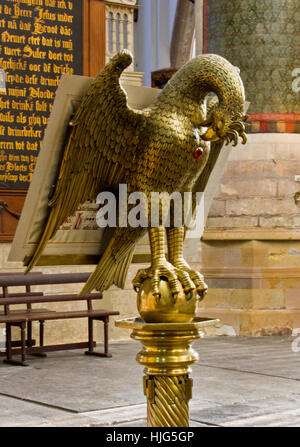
165, 310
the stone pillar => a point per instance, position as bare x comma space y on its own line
153, 34
118, 13
251, 246
183, 32
199, 26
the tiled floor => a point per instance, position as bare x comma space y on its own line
237, 382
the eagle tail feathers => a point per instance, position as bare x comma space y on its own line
109, 271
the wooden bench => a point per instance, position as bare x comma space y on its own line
23, 318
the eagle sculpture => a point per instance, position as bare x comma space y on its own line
169, 146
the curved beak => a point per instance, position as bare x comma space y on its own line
210, 135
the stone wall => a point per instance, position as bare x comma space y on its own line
258, 187
251, 247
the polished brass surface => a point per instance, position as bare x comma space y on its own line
166, 346
166, 352
175, 270
152, 150
167, 355
109, 144
297, 197
135, 323
175, 238
165, 309
161, 268
167, 400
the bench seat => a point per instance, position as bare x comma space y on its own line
23, 318
45, 314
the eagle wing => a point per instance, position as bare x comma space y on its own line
100, 147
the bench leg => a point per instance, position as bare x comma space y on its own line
30, 342
42, 332
91, 341
23, 341
8, 342
40, 354
9, 358
91, 337
106, 321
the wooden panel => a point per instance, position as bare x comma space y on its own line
13, 201
93, 36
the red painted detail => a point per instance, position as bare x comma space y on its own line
264, 126
273, 117
198, 153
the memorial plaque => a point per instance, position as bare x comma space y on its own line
39, 41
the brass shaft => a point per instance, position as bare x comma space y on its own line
167, 400
166, 355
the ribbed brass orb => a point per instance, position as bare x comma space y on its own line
165, 310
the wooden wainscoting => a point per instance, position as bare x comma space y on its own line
94, 37
11, 204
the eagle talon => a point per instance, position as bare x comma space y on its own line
175, 297
157, 297
201, 293
161, 271
139, 278
191, 279
189, 295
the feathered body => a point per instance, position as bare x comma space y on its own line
150, 150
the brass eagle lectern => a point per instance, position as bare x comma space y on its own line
169, 146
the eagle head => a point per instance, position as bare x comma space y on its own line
224, 126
